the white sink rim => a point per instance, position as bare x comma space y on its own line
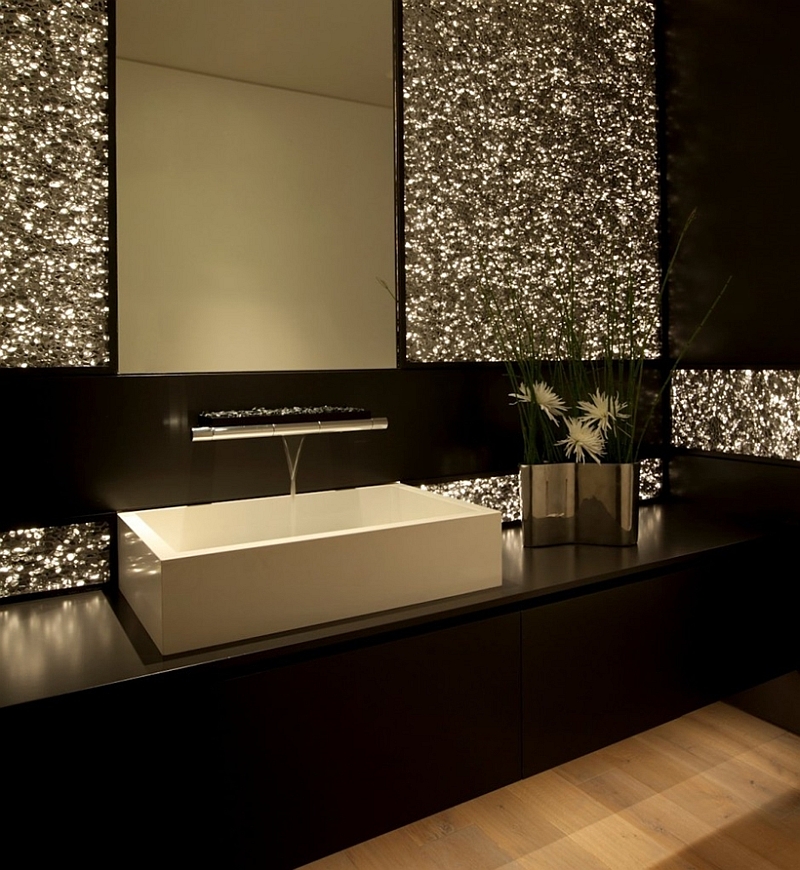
192, 598
145, 522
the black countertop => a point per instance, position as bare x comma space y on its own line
57, 646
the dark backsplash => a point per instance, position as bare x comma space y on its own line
81, 445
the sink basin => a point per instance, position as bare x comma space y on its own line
202, 575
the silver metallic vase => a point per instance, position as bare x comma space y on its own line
547, 492
580, 503
607, 504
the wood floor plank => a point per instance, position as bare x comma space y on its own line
621, 845
656, 765
616, 790
395, 850
433, 827
708, 744
760, 789
779, 757
563, 854
467, 849
769, 840
559, 801
708, 801
668, 744
686, 860
741, 726
684, 833
728, 726
714, 790
514, 825
720, 807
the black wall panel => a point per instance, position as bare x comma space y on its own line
730, 77
764, 492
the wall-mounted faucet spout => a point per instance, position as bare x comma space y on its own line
288, 423
292, 461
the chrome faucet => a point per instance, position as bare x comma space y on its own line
288, 423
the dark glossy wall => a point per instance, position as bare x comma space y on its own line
731, 77
79, 445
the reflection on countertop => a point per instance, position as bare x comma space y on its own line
55, 646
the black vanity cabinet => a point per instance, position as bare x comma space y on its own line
272, 763
601, 667
275, 752
319, 754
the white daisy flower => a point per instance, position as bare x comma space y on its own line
524, 394
602, 411
546, 398
549, 401
583, 440
616, 409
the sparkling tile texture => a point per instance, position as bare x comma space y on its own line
54, 213
54, 558
740, 411
650, 478
529, 151
530, 157
501, 493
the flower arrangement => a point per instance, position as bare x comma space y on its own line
572, 408
586, 434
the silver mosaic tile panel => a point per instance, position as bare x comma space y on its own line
54, 175
650, 478
54, 558
754, 413
529, 143
501, 493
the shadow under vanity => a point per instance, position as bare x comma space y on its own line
279, 750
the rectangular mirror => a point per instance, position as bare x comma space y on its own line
255, 185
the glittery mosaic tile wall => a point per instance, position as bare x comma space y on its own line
529, 141
529, 127
501, 493
754, 413
54, 558
54, 171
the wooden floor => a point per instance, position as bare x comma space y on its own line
715, 790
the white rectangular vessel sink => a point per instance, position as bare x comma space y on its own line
210, 574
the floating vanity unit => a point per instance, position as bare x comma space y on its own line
209, 574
